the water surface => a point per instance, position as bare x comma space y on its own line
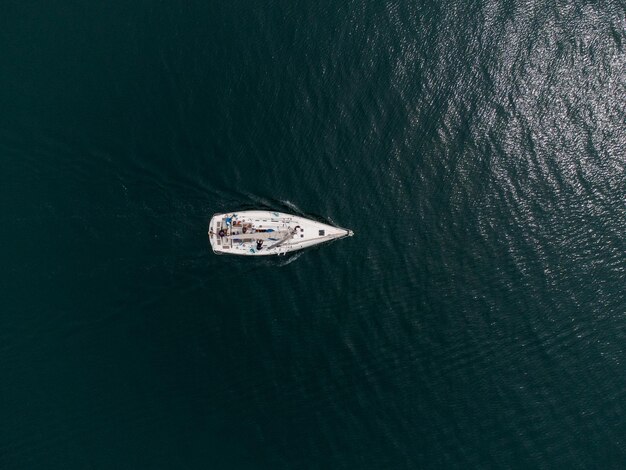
476, 320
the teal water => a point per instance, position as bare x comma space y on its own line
477, 319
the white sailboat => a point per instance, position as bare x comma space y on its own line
264, 233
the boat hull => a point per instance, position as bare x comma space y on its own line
268, 233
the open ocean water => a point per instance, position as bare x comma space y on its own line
477, 319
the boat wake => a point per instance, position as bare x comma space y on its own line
291, 206
290, 259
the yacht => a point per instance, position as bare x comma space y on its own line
264, 233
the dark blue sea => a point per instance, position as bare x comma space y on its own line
476, 320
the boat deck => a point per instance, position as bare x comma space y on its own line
267, 233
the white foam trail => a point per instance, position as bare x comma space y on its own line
291, 259
291, 205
